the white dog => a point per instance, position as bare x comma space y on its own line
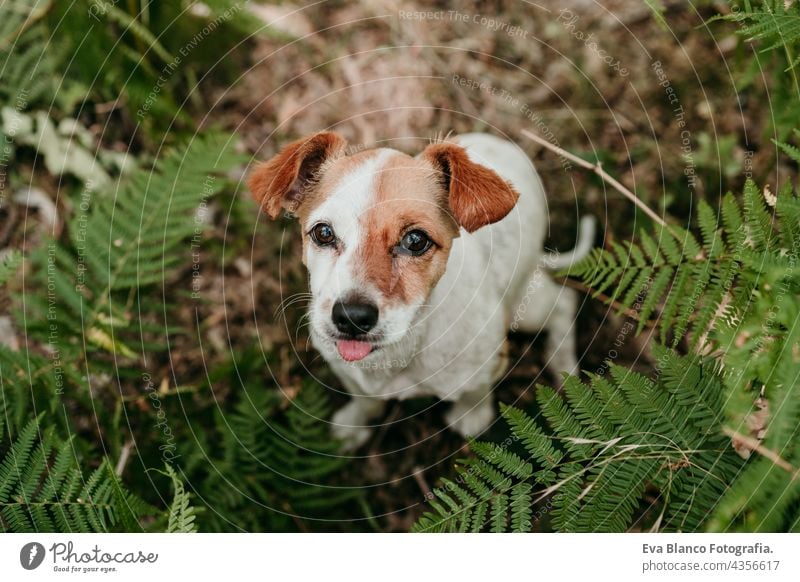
419, 266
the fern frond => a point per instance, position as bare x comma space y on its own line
611, 441
123, 242
272, 464
181, 513
28, 72
790, 150
682, 286
776, 24
738, 291
42, 489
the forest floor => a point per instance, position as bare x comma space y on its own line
658, 106
662, 107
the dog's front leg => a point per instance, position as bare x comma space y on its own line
473, 413
350, 424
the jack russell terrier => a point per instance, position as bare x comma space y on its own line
419, 266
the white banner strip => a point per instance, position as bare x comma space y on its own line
400, 557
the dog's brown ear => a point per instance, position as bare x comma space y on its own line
282, 181
476, 195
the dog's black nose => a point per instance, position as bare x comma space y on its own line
354, 318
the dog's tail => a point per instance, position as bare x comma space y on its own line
586, 231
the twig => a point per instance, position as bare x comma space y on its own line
754, 445
123, 458
597, 168
426, 491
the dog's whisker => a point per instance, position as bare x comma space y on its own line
291, 300
288, 304
300, 325
282, 314
308, 342
306, 316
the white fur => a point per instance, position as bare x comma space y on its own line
451, 347
332, 277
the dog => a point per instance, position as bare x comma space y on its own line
420, 266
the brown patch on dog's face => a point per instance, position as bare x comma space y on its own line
333, 176
408, 197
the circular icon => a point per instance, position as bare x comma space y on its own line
31, 555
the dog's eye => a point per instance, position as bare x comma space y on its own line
323, 234
416, 242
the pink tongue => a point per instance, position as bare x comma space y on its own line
353, 350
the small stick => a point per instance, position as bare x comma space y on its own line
123, 458
426, 491
755, 445
597, 168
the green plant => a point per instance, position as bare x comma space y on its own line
43, 488
773, 22
181, 513
269, 465
120, 244
617, 441
95, 332
658, 9
621, 452
141, 55
773, 26
791, 151
28, 72
689, 281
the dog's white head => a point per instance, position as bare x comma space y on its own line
377, 228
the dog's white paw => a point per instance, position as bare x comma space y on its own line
351, 437
347, 425
470, 420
